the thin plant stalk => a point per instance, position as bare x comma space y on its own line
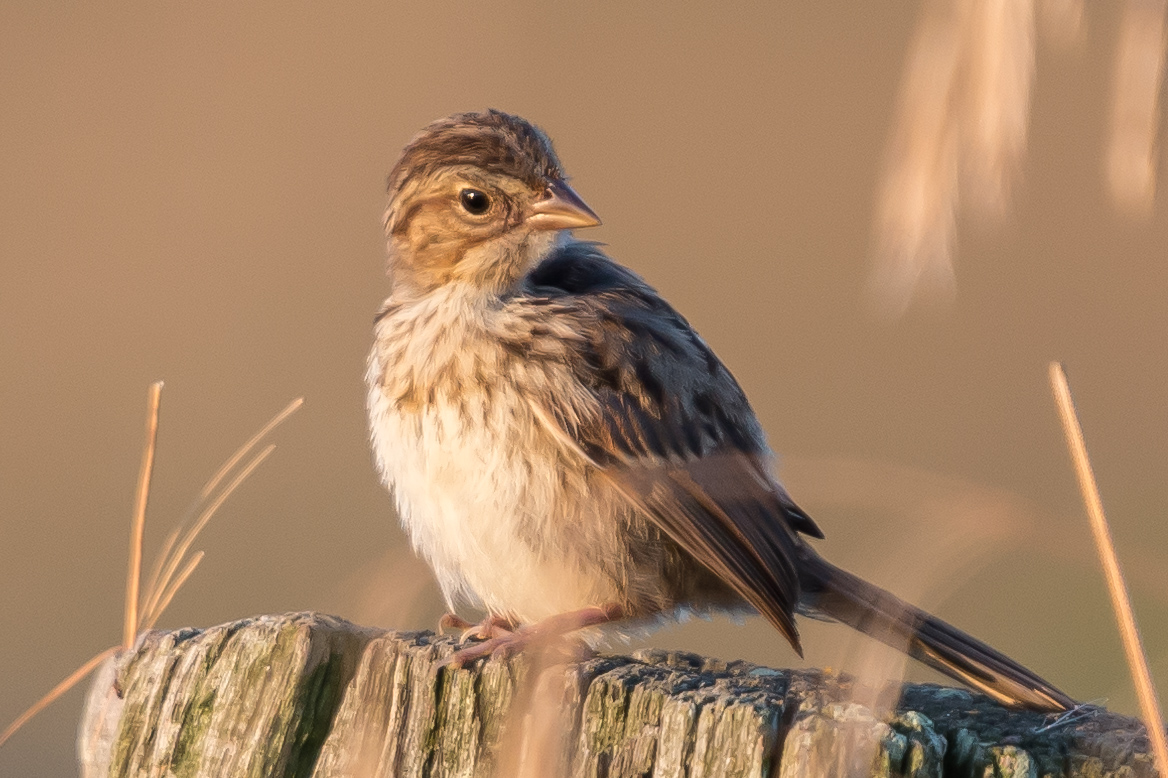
184, 544
164, 584
163, 558
213, 483
138, 524
1136, 658
57, 691
288, 410
151, 618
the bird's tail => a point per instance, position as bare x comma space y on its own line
835, 594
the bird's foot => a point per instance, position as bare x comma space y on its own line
491, 626
543, 633
452, 621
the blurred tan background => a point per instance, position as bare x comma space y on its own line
194, 193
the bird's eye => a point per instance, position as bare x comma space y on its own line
474, 201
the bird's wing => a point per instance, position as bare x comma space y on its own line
671, 428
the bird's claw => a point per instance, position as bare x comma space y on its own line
492, 626
508, 640
452, 621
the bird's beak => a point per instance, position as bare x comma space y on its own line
561, 209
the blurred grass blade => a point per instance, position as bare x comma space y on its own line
1136, 658
213, 483
1062, 22
156, 571
184, 544
150, 618
243, 451
164, 582
958, 139
57, 691
1135, 112
138, 525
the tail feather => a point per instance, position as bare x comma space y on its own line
835, 594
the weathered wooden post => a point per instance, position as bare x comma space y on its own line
305, 694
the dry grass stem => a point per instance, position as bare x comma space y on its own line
164, 555
234, 459
1135, 112
213, 483
57, 691
138, 525
183, 544
1136, 658
150, 618
165, 582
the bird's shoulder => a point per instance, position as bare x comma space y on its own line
578, 269
663, 391
663, 394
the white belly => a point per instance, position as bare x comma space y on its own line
479, 488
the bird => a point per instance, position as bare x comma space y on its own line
565, 451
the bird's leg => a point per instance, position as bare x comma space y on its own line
492, 626
549, 629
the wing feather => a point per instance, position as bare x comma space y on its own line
672, 429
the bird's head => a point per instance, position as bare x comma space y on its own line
478, 199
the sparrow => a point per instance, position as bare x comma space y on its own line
565, 451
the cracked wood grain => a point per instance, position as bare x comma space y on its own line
309, 695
